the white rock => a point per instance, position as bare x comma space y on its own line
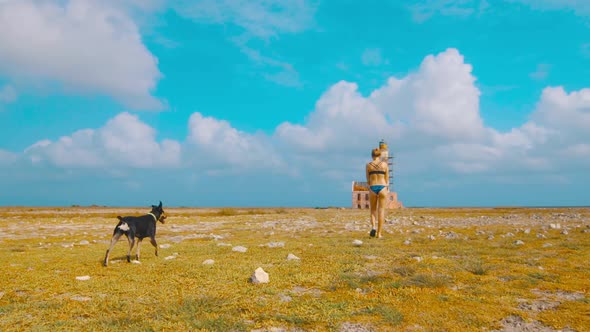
239, 249
81, 298
84, 243
83, 278
527, 231
135, 261
555, 226
417, 258
259, 277
518, 242
285, 298
169, 257
357, 243
221, 244
165, 246
291, 257
407, 242
274, 245
208, 262
431, 237
564, 232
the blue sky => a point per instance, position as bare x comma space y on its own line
278, 103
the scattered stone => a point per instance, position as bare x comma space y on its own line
285, 298
259, 277
84, 243
431, 237
541, 236
516, 323
451, 236
407, 242
527, 231
221, 244
83, 278
370, 257
509, 234
135, 261
564, 232
169, 257
208, 262
291, 257
239, 249
81, 298
354, 327
357, 243
518, 242
555, 226
491, 237
165, 246
417, 258
274, 245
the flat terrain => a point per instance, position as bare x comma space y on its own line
503, 269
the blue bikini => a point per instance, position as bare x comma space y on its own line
377, 189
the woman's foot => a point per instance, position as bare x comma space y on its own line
372, 233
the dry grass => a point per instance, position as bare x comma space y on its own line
460, 270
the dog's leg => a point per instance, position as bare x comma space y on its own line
131, 240
114, 240
155, 244
137, 249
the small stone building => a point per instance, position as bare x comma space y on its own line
360, 197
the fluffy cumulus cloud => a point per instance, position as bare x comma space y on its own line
85, 46
123, 141
213, 143
431, 119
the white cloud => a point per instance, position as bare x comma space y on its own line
7, 94
124, 141
259, 18
424, 10
214, 143
431, 119
84, 45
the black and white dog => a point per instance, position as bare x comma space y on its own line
137, 228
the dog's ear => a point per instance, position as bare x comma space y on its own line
160, 206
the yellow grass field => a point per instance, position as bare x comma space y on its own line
472, 269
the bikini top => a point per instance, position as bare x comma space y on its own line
376, 171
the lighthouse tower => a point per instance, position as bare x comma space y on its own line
389, 160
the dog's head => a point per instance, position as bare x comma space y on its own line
158, 211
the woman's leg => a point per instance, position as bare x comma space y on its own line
382, 199
373, 204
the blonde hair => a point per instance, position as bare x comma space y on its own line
375, 153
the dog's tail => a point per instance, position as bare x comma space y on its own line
120, 218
